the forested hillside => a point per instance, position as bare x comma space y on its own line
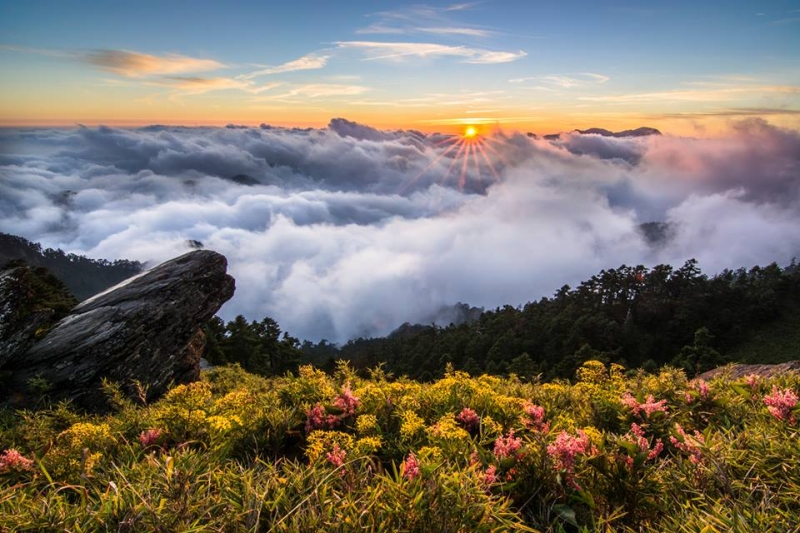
84, 277
635, 316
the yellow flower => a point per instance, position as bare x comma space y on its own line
411, 426
321, 442
367, 425
368, 445
446, 429
219, 423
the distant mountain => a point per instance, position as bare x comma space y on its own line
84, 277
638, 132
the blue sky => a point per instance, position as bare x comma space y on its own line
539, 65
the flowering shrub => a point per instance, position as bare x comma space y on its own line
149, 437
469, 419
533, 418
411, 467
649, 406
12, 461
312, 452
780, 404
565, 450
692, 445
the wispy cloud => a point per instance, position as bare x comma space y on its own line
49, 52
565, 81
136, 65
307, 62
427, 20
294, 93
187, 85
471, 32
397, 51
713, 95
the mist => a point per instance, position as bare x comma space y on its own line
350, 231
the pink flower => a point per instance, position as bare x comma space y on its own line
565, 449
411, 467
490, 475
533, 418
636, 436
469, 419
505, 447
336, 457
149, 437
753, 381
318, 418
12, 460
346, 401
780, 404
649, 406
701, 387
690, 444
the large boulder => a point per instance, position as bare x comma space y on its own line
146, 329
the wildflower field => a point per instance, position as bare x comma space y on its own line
609, 451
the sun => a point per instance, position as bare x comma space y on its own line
470, 132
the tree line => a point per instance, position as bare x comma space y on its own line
632, 315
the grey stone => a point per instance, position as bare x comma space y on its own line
145, 329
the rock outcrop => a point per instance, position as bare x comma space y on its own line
736, 371
146, 329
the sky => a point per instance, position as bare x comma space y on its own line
685, 67
323, 147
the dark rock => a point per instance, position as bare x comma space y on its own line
736, 371
147, 329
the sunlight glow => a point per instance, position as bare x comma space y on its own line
470, 132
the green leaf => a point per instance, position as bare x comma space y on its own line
566, 513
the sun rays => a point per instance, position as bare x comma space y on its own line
470, 158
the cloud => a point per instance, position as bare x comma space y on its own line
351, 230
198, 85
470, 32
136, 65
317, 90
566, 81
382, 50
307, 62
696, 95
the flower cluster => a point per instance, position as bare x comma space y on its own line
648, 407
346, 401
507, 447
565, 450
689, 444
636, 436
411, 467
490, 475
469, 419
318, 418
149, 437
702, 388
412, 424
533, 417
780, 404
336, 457
13, 461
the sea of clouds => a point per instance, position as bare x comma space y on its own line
349, 231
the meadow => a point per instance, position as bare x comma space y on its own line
608, 451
